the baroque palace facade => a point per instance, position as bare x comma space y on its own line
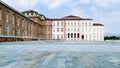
30, 25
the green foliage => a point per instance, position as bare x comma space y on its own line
111, 38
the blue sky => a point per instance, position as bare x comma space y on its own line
106, 12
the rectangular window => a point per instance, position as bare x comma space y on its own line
18, 32
25, 24
61, 29
22, 23
54, 30
57, 23
62, 23
18, 21
78, 29
61, 36
0, 14
13, 32
74, 23
68, 29
57, 36
13, 19
6, 30
74, 29
7, 17
57, 29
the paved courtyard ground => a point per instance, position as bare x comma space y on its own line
49, 54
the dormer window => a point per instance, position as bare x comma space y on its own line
42, 17
29, 14
34, 14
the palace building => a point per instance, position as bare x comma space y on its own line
30, 25
74, 28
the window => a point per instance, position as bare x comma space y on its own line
74, 23
78, 29
78, 23
74, 35
57, 23
82, 37
18, 32
57, 36
48, 28
74, 29
13, 32
18, 21
82, 23
0, 30
32, 13
68, 23
6, 16
57, 29
53, 23
78, 35
54, 30
68, 29
71, 23
86, 23
62, 36
22, 23
71, 35
13, 19
6, 30
0, 14
25, 33
26, 24
68, 35
89, 23
62, 23
61, 29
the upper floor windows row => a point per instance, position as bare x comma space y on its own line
58, 23
78, 23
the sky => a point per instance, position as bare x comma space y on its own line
106, 12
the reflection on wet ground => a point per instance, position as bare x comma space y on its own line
11, 57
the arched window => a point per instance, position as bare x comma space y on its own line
68, 35
78, 35
74, 35
71, 35
82, 37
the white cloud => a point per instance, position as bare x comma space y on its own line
107, 3
85, 1
24, 4
77, 12
53, 4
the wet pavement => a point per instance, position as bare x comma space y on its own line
59, 55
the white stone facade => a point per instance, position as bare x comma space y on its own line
73, 28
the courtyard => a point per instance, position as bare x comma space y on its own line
59, 54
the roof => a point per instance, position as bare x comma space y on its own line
72, 17
30, 11
97, 24
33, 11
